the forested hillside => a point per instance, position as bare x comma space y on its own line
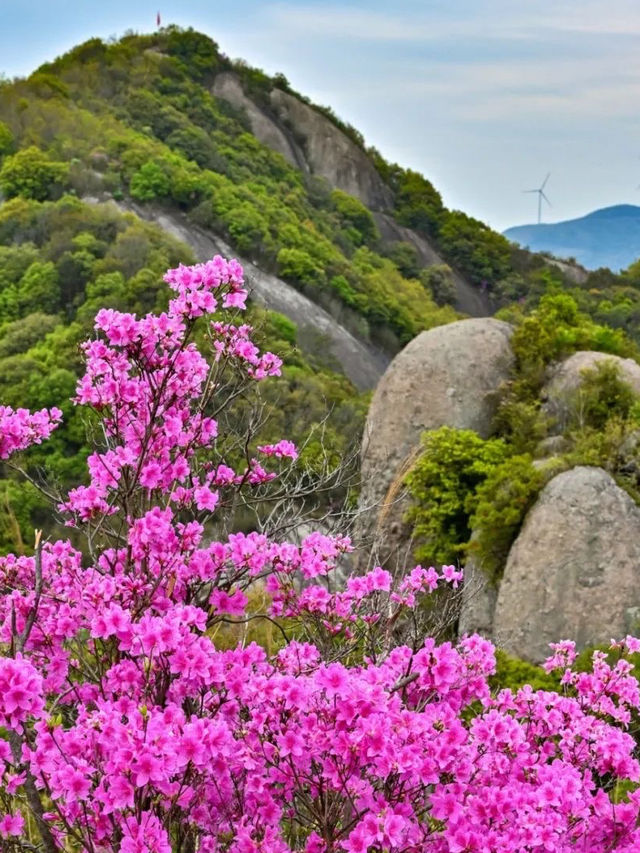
136, 121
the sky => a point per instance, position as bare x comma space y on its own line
484, 97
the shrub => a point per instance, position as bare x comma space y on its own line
299, 266
602, 394
355, 216
124, 727
7, 142
501, 502
439, 281
442, 485
149, 182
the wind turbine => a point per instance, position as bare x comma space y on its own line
541, 196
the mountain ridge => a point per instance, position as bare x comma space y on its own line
606, 237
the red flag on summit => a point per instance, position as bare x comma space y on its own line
158, 20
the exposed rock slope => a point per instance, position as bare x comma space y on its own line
363, 363
312, 143
316, 145
330, 153
468, 298
263, 126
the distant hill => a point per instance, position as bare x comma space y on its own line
609, 237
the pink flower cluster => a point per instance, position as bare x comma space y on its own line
153, 389
142, 732
21, 428
282, 449
21, 692
196, 286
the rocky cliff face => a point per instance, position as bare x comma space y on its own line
263, 125
309, 141
447, 375
330, 153
469, 300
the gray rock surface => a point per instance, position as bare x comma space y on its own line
312, 143
330, 153
309, 141
363, 363
447, 375
574, 271
478, 604
574, 570
228, 87
559, 393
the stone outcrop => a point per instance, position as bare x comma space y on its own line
263, 126
309, 141
559, 394
330, 153
447, 375
362, 362
574, 570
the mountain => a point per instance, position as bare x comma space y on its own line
609, 237
122, 158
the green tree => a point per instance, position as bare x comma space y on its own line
7, 141
32, 174
39, 289
299, 266
20, 335
418, 204
439, 280
149, 182
354, 217
474, 248
501, 502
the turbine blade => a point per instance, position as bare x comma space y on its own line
544, 183
545, 198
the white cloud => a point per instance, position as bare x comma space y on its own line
481, 20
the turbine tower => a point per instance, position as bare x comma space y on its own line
541, 196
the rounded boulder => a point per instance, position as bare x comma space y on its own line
574, 570
450, 375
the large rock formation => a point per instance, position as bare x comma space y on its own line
574, 570
447, 375
559, 394
362, 362
309, 141
263, 126
330, 153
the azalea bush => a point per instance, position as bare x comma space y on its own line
125, 729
